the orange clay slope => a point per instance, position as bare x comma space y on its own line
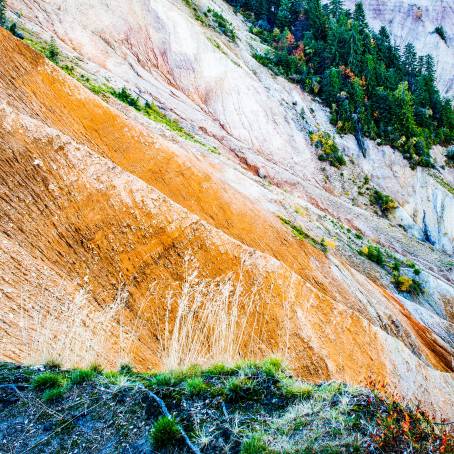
90, 200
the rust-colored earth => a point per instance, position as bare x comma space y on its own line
90, 199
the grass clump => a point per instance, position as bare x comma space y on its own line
81, 376
53, 394
272, 367
165, 433
126, 369
254, 445
47, 380
195, 386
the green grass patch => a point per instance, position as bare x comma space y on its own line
165, 433
54, 394
47, 380
254, 445
81, 376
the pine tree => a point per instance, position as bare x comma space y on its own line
355, 49
336, 8
403, 111
359, 16
3, 20
53, 52
410, 64
316, 18
284, 17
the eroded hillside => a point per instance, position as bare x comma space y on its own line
99, 199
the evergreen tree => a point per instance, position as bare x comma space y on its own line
355, 49
403, 111
410, 64
336, 8
359, 16
284, 17
53, 52
316, 18
3, 20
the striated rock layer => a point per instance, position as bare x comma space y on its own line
220, 92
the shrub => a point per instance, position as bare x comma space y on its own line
165, 433
329, 150
78, 377
222, 24
53, 394
47, 380
254, 445
450, 156
124, 96
406, 284
440, 31
373, 253
385, 202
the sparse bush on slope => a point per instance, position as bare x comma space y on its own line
250, 407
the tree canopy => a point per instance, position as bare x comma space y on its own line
371, 87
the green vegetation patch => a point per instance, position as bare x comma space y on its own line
404, 274
149, 110
301, 234
221, 24
384, 202
250, 407
329, 151
165, 433
47, 380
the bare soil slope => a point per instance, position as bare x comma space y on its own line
91, 200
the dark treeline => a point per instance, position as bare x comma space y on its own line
372, 87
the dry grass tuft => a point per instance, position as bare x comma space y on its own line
76, 332
210, 320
